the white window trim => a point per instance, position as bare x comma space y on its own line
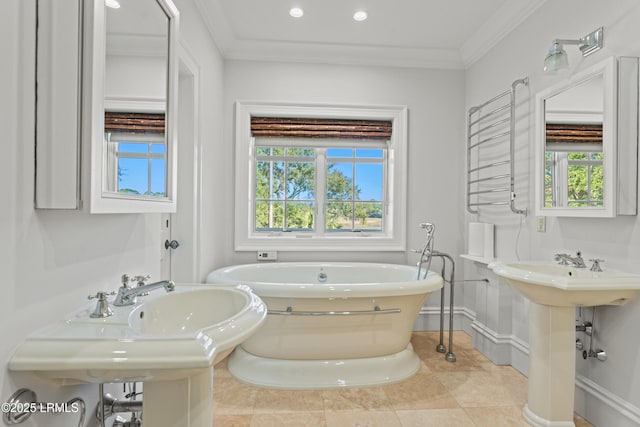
394, 236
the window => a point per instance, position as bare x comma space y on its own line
574, 179
284, 188
346, 192
574, 170
136, 161
140, 164
320, 193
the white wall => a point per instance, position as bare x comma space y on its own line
135, 77
616, 240
51, 260
436, 125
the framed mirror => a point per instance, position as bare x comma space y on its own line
132, 72
106, 100
586, 129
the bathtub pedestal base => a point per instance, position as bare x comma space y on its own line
323, 374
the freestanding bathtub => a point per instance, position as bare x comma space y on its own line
330, 324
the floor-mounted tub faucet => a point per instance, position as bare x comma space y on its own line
427, 249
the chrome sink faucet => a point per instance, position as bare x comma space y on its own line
566, 259
127, 295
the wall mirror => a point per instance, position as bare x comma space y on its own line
134, 151
587, 142
106, 137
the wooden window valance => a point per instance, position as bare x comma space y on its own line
568, 133
119, 122
279, 127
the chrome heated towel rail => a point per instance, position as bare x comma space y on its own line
490, 127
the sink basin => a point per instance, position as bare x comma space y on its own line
165, 337
566, 286
219, 313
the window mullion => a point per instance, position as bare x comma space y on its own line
321, 189
353, 192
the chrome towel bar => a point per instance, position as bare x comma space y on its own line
290, 312
491, 127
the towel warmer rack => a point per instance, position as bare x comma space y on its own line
492, 124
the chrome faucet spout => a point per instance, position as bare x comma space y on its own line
127, 295
566, 259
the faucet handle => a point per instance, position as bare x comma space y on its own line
125, 280
102, 309
596, 264
561, 258
141, 279
101, 296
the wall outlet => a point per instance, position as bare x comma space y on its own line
267, 255
542, 223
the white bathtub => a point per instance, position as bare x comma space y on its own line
330, 324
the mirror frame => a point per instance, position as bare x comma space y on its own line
607, 69
94, 48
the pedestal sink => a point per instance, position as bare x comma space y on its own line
169, 341
555, 291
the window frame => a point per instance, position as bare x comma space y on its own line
113, 155
393, 238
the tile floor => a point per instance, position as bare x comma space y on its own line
472, 392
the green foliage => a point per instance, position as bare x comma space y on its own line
285, 194
128, 191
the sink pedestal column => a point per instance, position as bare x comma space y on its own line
180, 403
551, 366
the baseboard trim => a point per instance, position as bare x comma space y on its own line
429, 319
614, 405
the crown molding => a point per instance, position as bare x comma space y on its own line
508, 17
511, 14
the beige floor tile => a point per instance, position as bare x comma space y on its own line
306, 419
514, 381
470, 392
435, 418
233, 397
350, 399
466, 360
232, 420
362, 419
422, 391
497, 417
473, 389
288, 401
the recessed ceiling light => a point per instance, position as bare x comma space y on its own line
296, 12
113, 4
360, 15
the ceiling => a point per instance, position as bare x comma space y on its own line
406, 33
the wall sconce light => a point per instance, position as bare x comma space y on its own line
557, 58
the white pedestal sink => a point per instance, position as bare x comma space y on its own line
170, 342
555, 291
